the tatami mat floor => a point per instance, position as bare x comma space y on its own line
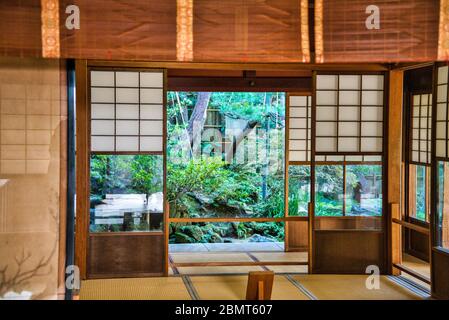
179, 262
233, 287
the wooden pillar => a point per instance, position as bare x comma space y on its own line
82, 168
445, 217
396, 79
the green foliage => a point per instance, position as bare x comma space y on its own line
146, 174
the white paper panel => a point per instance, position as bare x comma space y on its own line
348, 144
415, 156
320, 158
372, 129
416, 100
102, 78
354, 158
102, 111
297, 156
127, 95
102, 95
349, 82
151, 95
442, 74
424, 111
151, 144
326, 113
373, 82
441, 148
423, 122
335, 158
423, 133
127, 143
415, 144
326, 144
372, 113
372, 98
442, 93
326, 128
415, 122
298, 123
152, 79
326, 98
371, 144
151, 128
298, 112
127, 127
127, 79
297, 145
423, 156
297, 133
102, 127
102, 143
349, 98
372, 158
425, 99
349, 113
326, 82
441, 111
298, 101
441, 130
348, 129
127, 111
415, 134
152, 112
423, 145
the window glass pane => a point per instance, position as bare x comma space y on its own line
231, 164
443, 209
126, 193
298, 190
329, 190
363, 190
421, 196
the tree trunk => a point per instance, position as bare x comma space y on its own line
238, 139
198, 118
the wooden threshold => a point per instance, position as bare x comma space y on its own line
239, 264
185, 220
412, 273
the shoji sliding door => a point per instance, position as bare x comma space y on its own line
125, 172
348, 173
440, 198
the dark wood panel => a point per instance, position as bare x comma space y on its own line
440, 274
347, 251
125, 255
298, 235
348, 223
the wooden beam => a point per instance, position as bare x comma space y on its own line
394, 171
243, 66
239, 84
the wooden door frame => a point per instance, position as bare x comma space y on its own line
83, 125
